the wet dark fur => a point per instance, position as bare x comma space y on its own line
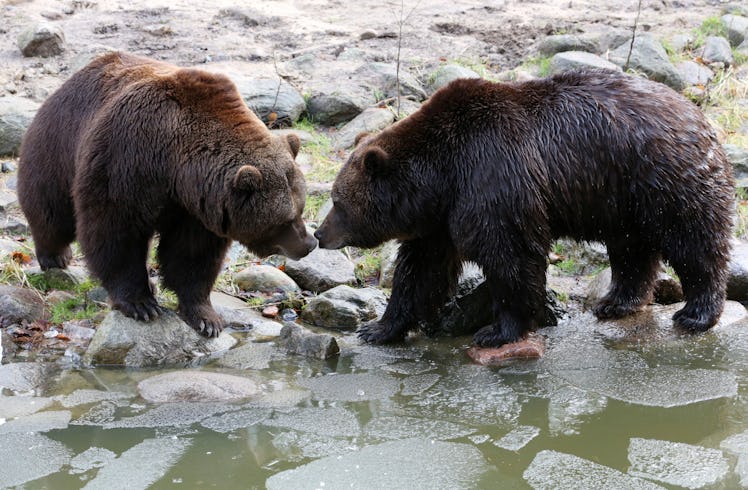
493, 173
129, 146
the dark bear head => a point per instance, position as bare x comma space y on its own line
379, 194
266, 200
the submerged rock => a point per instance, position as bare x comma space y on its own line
122, 341
296, 340
196, 386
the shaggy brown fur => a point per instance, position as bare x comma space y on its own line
493, 173
129, 146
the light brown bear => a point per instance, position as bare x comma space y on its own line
130, 146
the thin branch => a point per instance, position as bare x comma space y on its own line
633, 36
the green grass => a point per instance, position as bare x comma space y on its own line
313, 204
538, 65
325, 164
711, 26
78, 308
367, 265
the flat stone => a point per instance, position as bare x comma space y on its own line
23, 377
531, 347
572, 60
297, 340
560, 43
196, 386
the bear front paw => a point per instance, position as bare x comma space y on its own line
204, 320
142, 310
494, 336
379, 333
608, 309
694, 321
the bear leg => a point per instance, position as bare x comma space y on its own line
633, 272
190, 259
425, 275
53, 232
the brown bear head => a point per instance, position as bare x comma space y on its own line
266, 199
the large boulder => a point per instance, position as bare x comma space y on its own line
737, 28
332, 104
321, 270
384, 77
371, 120
16, 114
43, 39
649, 57
265, 279
274, 100
122, 341
345, 308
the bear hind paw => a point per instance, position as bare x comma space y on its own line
493, 336
204, 320
607, 309
144, 311
57, 261
694, 321
380, 333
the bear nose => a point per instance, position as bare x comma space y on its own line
318, 235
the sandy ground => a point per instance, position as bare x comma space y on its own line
260, 36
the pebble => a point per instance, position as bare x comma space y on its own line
270, 311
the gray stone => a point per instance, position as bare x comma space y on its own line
383, 77
42, 39
447, 74
23, 377
19, 305
8, 199
7, 347
251, 356
388, 256
38, 422
27, 457
675, 463
321, 270
571, 60
345, 308
79, 331
560, 43
16, 114
323, 211
680, 42
717, 49
19, 406
334, 104
738, 157
737, 28
265, 279
737, 279
122, 341
7, 247
266, 96
196, 386
649, 57
297, 340
13, 225
667, 290
371, 120
368, 34
694, 73
240, 316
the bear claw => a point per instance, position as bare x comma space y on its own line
143, 311
378, 333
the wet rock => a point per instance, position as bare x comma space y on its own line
409, 463
551, 470
572, 60
91, 458
43, 39
332, 104
7, 347
122, 341
296, 340
518, 438
717, 50
274, 100
650, 57
251, 356
738, 157
28, 456
196, 386
694, 73
737, 280
676, 463
321, 270
344, 307
16, 114
531, 347
388, 256
23, 377
737, 28
19, 305
560, 43
19, 406
447, 74
737, 445
64, 279
667, 290
265, 279
239, 316
80, 332
372, 119
38, 422
383, 76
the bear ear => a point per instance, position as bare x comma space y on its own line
360, 136
247, 178
376, 161
294, 143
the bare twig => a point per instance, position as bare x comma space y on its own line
633, 36
402, 19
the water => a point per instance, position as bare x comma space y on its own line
593, 413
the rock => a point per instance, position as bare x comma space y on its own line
122, 341
7, 347
738, 157
55, 278
7, 247
80, 332
42, 39
717, 49
370, 120
530, 347
251, 356
667, 290
19, 305
323, 211
7, 200
737, 28
268, 96
388, 256
680, 42
334, 104
321, 270
98, 295
448, 73
737, 280
675, 463
571, 60
196, 386
23, 377
560, 43
383, 77
16, 114
296, 340
344, 307
240, 316
265, 279
13, 226
368, 34
270, 311
7, 167
650, 57
694, 73
57, 297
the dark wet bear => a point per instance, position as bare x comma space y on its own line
493, 173
130, 146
